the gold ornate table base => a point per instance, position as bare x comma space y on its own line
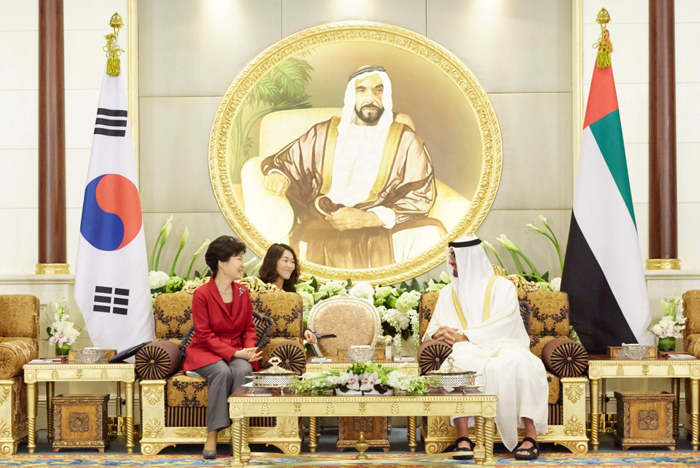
604, 367
63, 372
243, 404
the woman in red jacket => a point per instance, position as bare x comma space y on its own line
223, 346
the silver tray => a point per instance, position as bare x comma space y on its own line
274, 377
452, 377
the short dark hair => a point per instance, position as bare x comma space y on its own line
268, 270
221, 250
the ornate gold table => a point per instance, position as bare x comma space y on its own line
602, 367
410, 368
64, 372
243, 404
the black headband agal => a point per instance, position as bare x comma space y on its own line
470, 243
366, 69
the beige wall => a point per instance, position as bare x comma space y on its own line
85, 24
191, 51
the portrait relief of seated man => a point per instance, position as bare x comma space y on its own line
361, 185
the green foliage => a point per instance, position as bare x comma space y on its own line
282, 88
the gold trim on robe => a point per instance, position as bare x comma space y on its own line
487, 303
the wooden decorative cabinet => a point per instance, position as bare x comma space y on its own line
80, 421
374, 429
644, 419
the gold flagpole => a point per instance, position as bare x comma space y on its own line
112, 48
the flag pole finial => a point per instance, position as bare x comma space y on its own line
112, 48
604, 45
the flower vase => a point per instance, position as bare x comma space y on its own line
62, 350
667, 344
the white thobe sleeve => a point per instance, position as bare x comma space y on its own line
386, 215
445, 314
504, 322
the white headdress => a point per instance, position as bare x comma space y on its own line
347, 121
473, 274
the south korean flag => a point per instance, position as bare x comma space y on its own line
111, 276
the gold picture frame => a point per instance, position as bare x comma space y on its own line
364, 32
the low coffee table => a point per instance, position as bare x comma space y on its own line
243, 404
410, 368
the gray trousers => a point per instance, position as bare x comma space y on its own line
222, 379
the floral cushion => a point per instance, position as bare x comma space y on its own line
426, 308
173, 315
286, 309
14, 355
186, 391
691, 310
20, 316
549, 313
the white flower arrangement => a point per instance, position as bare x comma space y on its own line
672, 324
362, 290
157, 279
62, 331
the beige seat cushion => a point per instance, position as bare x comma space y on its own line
353, 321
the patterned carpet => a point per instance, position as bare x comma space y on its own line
656, 459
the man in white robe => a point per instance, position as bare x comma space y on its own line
479, 315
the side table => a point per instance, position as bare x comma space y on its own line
62, 372
602, 367
410, 368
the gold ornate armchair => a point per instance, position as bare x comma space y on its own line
546, 318
174, 406
19, 344
273, 215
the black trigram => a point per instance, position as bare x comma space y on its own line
114, 300
111, 122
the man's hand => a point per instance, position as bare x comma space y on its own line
449, 335
353, 218
276, 182
310, 337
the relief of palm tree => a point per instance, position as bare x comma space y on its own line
283, 88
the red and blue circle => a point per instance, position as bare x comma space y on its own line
111, 212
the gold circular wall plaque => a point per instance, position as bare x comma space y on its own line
295, 90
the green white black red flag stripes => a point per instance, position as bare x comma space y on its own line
603, 273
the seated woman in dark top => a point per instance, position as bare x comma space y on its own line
223, 347
281, 268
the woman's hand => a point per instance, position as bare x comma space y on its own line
310, 337
249, 354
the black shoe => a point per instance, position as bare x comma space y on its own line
209, 454
533, 452
463, 453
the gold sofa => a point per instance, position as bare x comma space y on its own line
546, 317
174, 406
19, 344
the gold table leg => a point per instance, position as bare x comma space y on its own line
49, 410
31, 416
694, 412
595, 402
412, 434
236, 439
245, 448
130, 417
479, 451
676, 387
488, 442
312, 434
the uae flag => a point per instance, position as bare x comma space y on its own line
111, 276
603, 273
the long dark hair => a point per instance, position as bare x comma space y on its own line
222, 249
268, 270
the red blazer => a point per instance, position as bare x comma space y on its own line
218, 334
